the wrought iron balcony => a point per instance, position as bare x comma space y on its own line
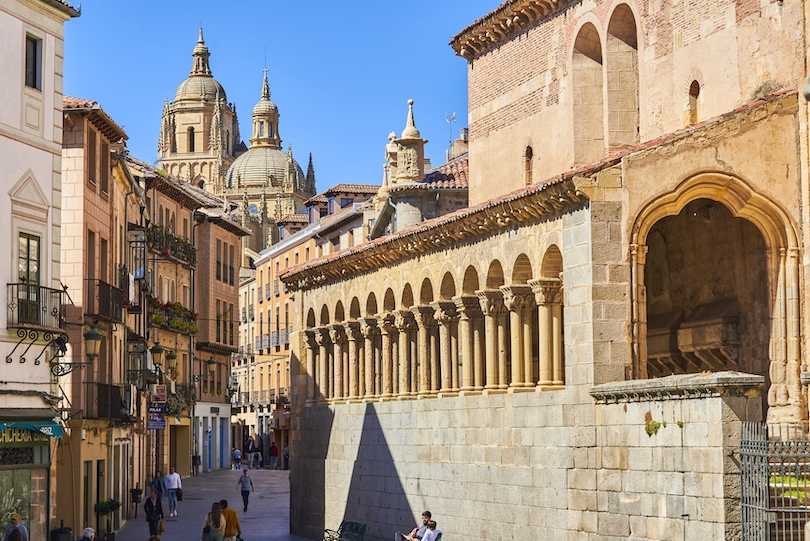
169, 245
172, 316
103, 301
105, 401
34, 307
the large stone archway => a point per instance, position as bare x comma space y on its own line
749, 230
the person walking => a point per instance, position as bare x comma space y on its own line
246, 486
237, 458
173, 483
15, 530
233, 530
88, 534
273, 456
215, 523
157, 484
153, 509
286, 456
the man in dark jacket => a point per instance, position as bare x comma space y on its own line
154, 512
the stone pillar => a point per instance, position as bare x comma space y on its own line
557, 353
369, 330
312, 346
479, 351
529, 377
322, 338
337, 336
546, 294
352, 329
423, 315
515, 299
468, 308
503, 349
491, 306
404, 324
445, 315
455, 362
388, 336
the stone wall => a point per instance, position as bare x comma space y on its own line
648, 459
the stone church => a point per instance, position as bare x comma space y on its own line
200, 142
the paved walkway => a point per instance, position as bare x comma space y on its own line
267, 518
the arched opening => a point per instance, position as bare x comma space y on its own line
694, 96
447, 290
589, 129
324, 320
552, 264
495, 275
339, 312
354, 309
522, 271
470, 284
426, 292
311, 318
389, 302
708, 303
190, 135
551, 318
371, 304
261, 128
528, 156
622, 78
407, 296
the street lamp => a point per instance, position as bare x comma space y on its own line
171, 361
92, 342
157, 353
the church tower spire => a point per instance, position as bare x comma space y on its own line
200, 54
265, 119
310, 179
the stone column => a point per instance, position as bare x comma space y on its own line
479, 350
404, 324
515, 299
529, 378
455, 361
352, 329
503, 349
388, 334
337, 336
312, 346
546, 294
468, 308
423, 315
369, 329
445, 315
322, 337
491, 306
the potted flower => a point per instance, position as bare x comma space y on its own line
107, 506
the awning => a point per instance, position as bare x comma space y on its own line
49, 428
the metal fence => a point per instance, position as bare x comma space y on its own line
775, 483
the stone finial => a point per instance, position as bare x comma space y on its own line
200, 54
265, 85
200, 37
410, 131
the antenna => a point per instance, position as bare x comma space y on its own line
450, 119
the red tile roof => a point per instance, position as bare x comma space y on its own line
97, 116
353, 188
294, 219
449, 176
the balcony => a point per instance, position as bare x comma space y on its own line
103, 301
251, 315
34, 307
244, 314
284, 337
105, 401
259, 292
244, 398
276, 287
267, 291
264, 396
172, 316
169, 245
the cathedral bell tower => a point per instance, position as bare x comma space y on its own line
265, 120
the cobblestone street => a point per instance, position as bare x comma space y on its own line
267, 518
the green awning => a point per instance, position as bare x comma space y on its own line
49, 428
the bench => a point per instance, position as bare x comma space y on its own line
348, 531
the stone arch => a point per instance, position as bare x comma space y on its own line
706, 196
426, 292
552, 264
389, 302
447, 289
588, 100
495, 277
371, 304
622, 77
522, 270
340, 314
324, 320
470, 284
407, 296
354, 309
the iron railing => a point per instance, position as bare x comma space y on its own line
105, 401
775, 483
170, 245
103, 301
34, 307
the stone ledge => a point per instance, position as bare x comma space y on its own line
679, 386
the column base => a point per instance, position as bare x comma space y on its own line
549, 387
450, 393
387, 397
428, 394
405, 397
520, 388
494, 390
471, 391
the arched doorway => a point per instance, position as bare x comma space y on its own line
715, 287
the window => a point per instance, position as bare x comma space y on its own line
351, 238
33, 62
528, 155
231, 265
28, 259
230, 325
87, 490
91, 155
104, 174
306, 255
330, 206
185, 228
345, 202
228, 141
190, 132
694, 94
91, 255
102, 257
219, 260
287, 325
296, 258
219, 322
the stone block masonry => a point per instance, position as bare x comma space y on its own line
649, 460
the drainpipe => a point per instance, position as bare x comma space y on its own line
194, 225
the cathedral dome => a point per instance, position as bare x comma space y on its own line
262, 164
200, 87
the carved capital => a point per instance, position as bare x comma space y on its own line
467, 306
403, 320
491, 301
444, 312
352, 329
336, 333
311, 336
423, 315
546, 290
368, 327
322, 336
517, 296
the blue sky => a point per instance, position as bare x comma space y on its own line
340, 72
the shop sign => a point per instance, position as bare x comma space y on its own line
156, 416
159, 394
20, 435
28, 431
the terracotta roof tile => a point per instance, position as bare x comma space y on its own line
64, 6
97, 115
294, 219
449, 176
320, 198
353, 188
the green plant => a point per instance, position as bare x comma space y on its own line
107, 506
651, 426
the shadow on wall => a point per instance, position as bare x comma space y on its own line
376, 494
